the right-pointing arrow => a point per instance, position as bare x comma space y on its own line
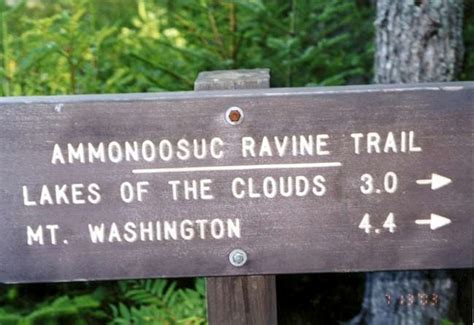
436, 221
436, 181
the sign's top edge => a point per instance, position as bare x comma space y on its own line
273, 92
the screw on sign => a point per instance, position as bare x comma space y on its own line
238, 257
234, 115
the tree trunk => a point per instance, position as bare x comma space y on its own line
416, 41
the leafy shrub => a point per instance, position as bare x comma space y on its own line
157, 301
160, 302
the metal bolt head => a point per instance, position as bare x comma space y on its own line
234, 115
238, 257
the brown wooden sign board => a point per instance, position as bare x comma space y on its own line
302, 180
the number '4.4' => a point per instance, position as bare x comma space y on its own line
388, 224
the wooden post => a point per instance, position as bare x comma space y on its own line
239, 300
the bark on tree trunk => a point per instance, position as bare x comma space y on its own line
416, 41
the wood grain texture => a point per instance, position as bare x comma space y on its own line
233, 79
243, 299
280, 235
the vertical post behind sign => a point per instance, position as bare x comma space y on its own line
236, 300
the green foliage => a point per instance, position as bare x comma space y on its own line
51, 311
448, 322
149, 301
159, 302
90, 46
311, 42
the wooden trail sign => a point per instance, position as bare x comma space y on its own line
236, 182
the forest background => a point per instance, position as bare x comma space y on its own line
52, 47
